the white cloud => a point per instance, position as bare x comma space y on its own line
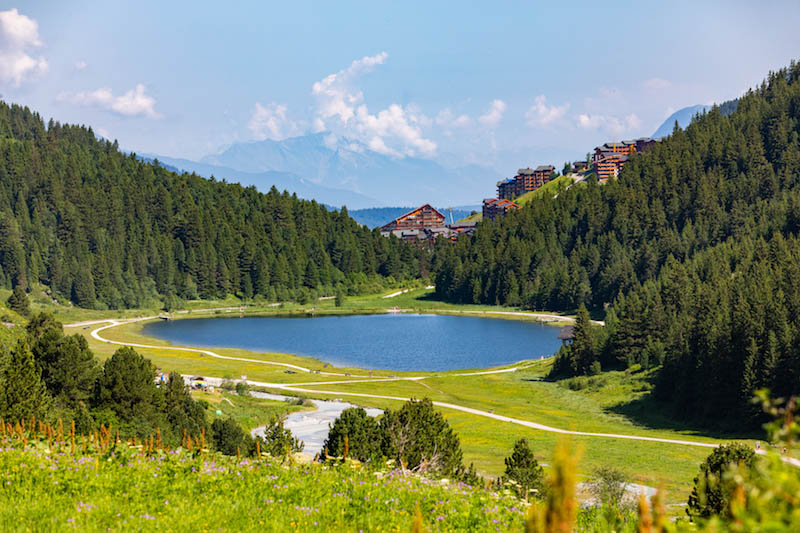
133, 103
656, 84
542, 115
18, 36
494, 115
80, 65
271, 122
104, 133
334, 95
609, 124
395, 131
393, 121
450, 122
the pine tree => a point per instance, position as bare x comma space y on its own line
22, 394
583, 350
18, 301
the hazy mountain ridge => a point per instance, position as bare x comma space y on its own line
340, 163
264, 180
685, 116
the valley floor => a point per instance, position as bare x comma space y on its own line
488, 409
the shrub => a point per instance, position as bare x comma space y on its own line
609, 486
363, 435
712, 491
242, 388
524, 471
18, 301
277, 440
421, 439
228, 438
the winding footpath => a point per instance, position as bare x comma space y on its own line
111, 323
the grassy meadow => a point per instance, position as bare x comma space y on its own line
47, 485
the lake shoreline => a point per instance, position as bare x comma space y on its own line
380, 342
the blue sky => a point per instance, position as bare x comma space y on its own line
505, 84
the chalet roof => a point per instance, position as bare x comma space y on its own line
490, 201
525, 171
420, 208
541, 168
567, 333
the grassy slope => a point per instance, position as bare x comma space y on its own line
247, 411
56, 490
552, 188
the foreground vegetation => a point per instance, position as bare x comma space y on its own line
54, 480
127, 489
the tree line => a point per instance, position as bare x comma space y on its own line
49, 376
106, 230
691, 253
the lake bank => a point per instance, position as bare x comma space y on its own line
397, 342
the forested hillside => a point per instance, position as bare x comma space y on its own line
693, 250
105, 229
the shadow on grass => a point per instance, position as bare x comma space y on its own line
648, 412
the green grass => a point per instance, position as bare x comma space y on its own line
247, 411
551, 188
47, 489
477, 217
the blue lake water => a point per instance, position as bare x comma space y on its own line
384, 341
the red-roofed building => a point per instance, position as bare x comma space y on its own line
496, 207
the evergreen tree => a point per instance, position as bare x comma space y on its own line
18, 301
524, 470
22, 393
362, 432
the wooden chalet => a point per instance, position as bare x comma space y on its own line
609, 158
418, 219
526, 180
497, 207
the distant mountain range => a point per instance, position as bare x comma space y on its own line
338, 171
684, 116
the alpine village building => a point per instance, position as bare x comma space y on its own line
526, 180
609, 158
425, 224
495, 207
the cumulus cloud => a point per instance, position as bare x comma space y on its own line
335, 96
80, 65
656, 84
19, 35
608, 123
271, 122
133, 103
542, 115
495, 114
395, 131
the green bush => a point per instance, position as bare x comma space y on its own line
363, 435
421, 439
712, 490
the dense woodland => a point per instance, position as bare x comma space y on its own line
106, 230
693, 252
